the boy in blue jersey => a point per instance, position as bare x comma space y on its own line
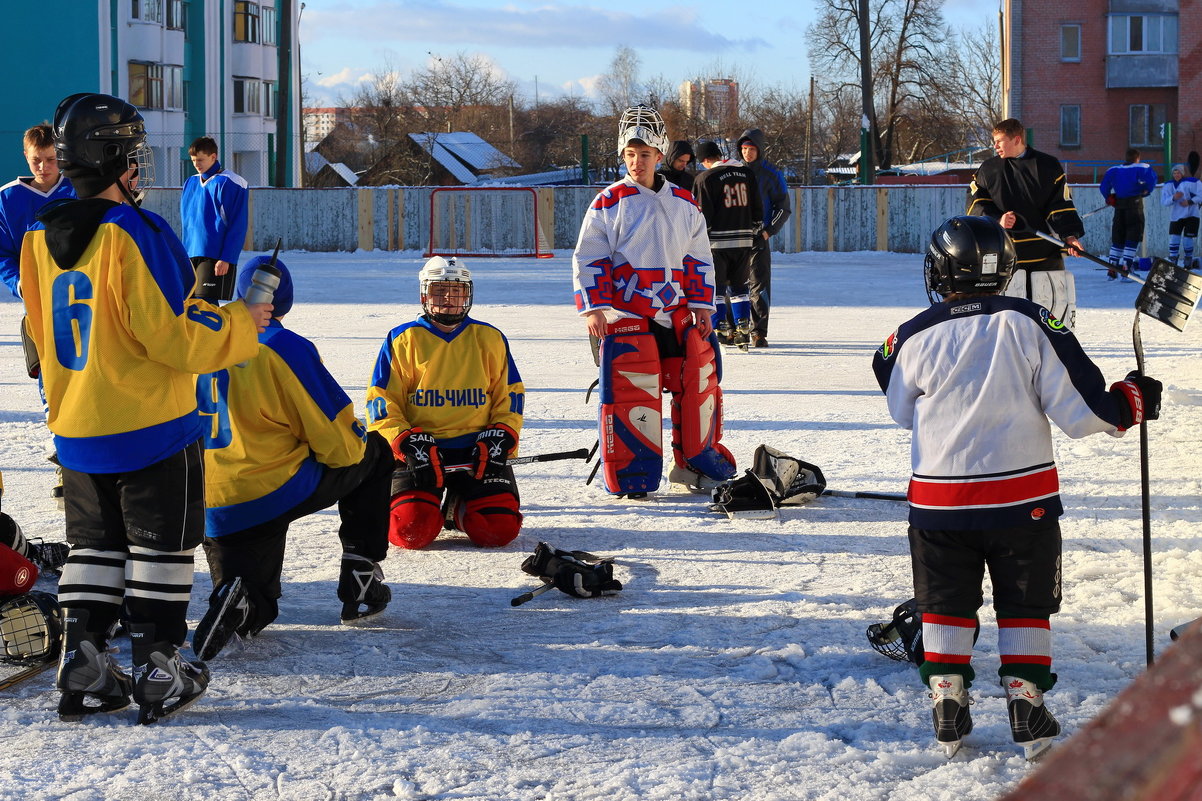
976, 378
213, 212
447, 396
106, 288
282, 442
20, 201
22, 198
1124, 187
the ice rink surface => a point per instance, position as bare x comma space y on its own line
734, 664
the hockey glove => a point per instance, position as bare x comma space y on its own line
1111, 199
493, 445
419, 451
1138, 399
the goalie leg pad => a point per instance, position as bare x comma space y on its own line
17, 574
490, 521
630, 416
414, 519
697, 410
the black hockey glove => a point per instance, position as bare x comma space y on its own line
1139, 399
589, 582
493, 445
419, 451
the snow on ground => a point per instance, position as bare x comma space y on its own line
733, 666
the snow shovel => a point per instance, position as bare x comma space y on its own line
1169, 294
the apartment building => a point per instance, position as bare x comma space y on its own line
228, 69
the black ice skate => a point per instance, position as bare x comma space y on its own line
361, 589
88, 675
227, 616
164, 682
949, 711
742, 338
1031, 723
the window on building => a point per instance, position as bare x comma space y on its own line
1138, 34
146, 84
248, 96
1070, 42
246, 21
271, 99
175, 14
269, 24
146, 10
1146, 121
1070, 126
173, 87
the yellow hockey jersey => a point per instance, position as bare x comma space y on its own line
273, 425
119, 339
452, 385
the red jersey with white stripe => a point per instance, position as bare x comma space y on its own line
977, 381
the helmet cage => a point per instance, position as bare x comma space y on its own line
644, 124
445, 271
901, 638
31, 629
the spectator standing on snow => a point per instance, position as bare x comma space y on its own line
677, 163
774, 195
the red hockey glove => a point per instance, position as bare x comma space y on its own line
1111, 200
493, 445
419, 451
1139, 399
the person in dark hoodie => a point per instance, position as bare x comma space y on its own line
676, 164
775, 195
106, 288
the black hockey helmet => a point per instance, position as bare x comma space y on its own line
968, 254
97, 138
31, 629
901, 638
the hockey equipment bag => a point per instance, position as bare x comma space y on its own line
46, 556
748, 498
31, 629
791, 481
578, 573
901, 638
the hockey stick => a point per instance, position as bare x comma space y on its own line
530, 596
579, 453
1095, 211
876, 496
27, 673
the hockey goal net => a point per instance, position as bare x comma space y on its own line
487, 221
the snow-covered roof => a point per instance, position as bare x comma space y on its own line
570, 175
465, 155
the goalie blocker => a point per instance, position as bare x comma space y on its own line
639, 361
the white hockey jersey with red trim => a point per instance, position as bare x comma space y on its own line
977, 381
642, 253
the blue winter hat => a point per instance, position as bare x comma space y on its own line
283, 293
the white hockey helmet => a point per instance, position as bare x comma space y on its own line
452, 283
643, 124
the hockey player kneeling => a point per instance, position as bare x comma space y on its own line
975, 378
644, 284
447, 395
283, 442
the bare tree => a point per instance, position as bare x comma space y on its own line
450, 89
620, 87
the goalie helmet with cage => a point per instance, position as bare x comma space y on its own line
969, 255
446, 290
901, 638
97, 138
642, 123
31, 628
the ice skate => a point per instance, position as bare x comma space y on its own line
950, 713
227, 616
1031, 724
88, 675
692, 480
726, 334
164, 682
742, 340
361, 589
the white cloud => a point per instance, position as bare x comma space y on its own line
347, 76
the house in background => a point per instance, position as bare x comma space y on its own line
221, 68
1091, 78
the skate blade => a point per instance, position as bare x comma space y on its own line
152, 713
1034, 750
219, 636
950, 749
352, 615
72, 709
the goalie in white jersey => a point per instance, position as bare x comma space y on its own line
976, 378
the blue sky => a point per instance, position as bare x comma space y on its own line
562, 47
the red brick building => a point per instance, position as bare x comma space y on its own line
1091, 78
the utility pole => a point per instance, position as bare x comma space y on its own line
809, 173
867, 135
